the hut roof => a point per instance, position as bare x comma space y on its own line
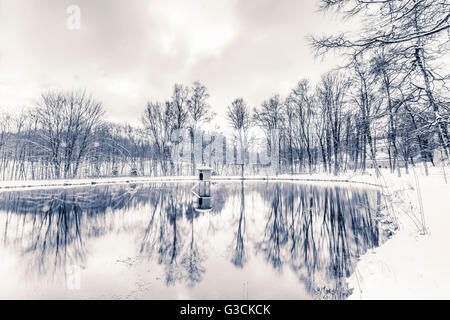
203, 168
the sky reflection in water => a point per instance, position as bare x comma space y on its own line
261, 240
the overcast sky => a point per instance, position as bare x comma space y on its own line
129, 52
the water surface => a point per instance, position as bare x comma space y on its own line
260, 240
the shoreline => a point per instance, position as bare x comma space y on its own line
73, 183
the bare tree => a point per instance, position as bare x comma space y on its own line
331, 96
412, 29
179, 105
199, 112
238, 116
301, 101
66, 121
270, 117
158, 121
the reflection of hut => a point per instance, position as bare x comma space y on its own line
204, 189
203, 204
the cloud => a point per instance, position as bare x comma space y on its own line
203, 26
128, 52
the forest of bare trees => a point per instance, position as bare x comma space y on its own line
387, 106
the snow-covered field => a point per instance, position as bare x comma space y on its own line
410, 265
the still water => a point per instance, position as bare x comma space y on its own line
259, 240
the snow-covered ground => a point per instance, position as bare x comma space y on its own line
410, 265
40, 184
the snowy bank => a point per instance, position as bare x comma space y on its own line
410, 265
39, 184
61, 183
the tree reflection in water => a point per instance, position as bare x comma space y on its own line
192, 259
239, 256
315, 231
319, 232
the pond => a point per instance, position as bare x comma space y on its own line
255, 240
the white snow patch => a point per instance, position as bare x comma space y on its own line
410, 265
